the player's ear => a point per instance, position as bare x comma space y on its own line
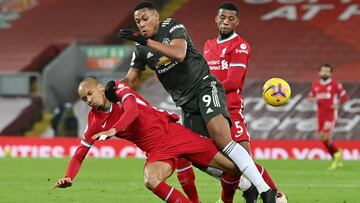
217, 19
237, 20
157, 17
101, 87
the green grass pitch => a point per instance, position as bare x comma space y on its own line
121, 180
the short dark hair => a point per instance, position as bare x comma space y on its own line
145, 4
327, 66
229, 6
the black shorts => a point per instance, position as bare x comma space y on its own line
208, 103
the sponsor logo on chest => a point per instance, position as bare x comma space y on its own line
218, 65
323, 95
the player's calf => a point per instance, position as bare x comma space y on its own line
155, 175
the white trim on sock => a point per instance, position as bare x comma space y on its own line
183, 169
167, 197
246, 165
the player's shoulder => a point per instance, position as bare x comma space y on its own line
168, 22
211, 41
240, 41
337, 84
122, 86
315, 84
171, 24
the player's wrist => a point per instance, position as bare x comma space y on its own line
143, 40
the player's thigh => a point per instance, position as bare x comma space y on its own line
325, 128
219, 131
324, 136
212, 102
189, 145
221, 162
195, 122
157, 171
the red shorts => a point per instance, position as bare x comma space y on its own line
238, 129
326, 126
183, 143
326, 121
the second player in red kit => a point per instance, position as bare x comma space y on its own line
228, 60
329, 96
228, 56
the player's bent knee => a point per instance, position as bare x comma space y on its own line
151, 182
221, 162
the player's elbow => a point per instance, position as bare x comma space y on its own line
180, 57
135, 113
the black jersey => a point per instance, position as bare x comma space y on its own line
181, 80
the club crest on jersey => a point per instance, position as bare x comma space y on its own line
223, 53
224, 65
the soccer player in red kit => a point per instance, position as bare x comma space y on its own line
329, 95
121, 112
228, 56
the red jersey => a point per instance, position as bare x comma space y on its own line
150, 119
229, 60
154, 131
327, 94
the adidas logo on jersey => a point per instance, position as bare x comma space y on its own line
209, 110
149, 55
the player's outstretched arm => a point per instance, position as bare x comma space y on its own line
132, 77
176, 50
115, 91
73, 167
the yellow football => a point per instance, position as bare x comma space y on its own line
276, 92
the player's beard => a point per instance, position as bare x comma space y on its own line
225, 36
324, 78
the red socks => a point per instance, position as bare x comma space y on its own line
266, 176
169, 194
330, 147
229, 184
186, 177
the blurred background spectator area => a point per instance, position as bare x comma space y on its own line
48, 46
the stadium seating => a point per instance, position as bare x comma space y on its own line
43, 31
285, 48
18, 114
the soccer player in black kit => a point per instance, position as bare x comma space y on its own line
166, 48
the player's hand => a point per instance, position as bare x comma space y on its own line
133, 36
110, 90
105, 134
63, 183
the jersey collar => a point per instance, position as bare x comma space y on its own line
325, 82
107, 110
228, 39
